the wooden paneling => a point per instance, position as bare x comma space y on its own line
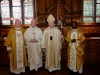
40, 6
76, 5
48, 3
68, 9
4, 60
92, 51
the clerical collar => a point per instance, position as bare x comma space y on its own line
52, 27
34, 27
17, 28
74, 30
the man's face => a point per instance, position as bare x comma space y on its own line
51, 24
18, 23
33, 23
74, 25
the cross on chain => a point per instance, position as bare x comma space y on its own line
74, 35
33, 34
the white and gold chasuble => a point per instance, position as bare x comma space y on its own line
52, 43
16, 50
19, 48
52, 52
19, 53
73, 52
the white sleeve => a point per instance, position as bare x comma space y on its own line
77, 43
43, 41
70, 44
8, 48
26, 37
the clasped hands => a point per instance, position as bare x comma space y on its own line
33, 40
73, 40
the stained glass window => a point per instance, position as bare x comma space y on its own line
5, 12
98, 11
98, 1
91, 11
28, 11
16, 9
88, 11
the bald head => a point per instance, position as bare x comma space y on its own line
33, 22
17, 23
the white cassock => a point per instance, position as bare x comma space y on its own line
34, 49
52, 43
73, 52
19, 53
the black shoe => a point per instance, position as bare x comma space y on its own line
71, 72
27, 69
75, 73
54, 72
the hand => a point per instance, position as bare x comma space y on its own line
73, 40
62, 38
9, 51
33, 40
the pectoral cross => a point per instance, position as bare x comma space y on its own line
74, 35
50, 37
33, 34
18, 34
51, 33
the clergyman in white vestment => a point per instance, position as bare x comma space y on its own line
33, 38
51, 43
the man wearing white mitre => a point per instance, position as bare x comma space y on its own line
51, 44
33, 38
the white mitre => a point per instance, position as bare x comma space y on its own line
50, 18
